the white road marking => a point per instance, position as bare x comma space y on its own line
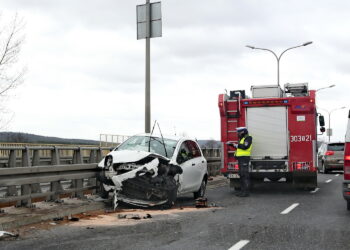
287, 210
328, 181
239, 245
337, 175
315, 190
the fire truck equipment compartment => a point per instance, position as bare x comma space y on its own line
266, 91
268, 127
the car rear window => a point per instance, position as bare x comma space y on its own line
336, 147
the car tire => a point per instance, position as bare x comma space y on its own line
348, 205
201, 191
318, 168
324, 170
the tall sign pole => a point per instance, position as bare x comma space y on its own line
149, 25
148, 70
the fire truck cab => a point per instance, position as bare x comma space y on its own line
283, 124
346, 183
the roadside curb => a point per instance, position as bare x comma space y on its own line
17, 217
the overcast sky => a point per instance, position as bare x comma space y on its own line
86, 68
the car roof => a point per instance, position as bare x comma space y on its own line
171, 137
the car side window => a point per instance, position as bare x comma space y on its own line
194, 149
184, 153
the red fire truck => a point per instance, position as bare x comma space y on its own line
346, 183
283, 124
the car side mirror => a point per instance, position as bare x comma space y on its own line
321, 120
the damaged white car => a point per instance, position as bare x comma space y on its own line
148, 170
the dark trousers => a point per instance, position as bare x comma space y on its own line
243, 163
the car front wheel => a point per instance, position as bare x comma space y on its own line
201, 191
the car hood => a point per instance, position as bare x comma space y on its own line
125, 156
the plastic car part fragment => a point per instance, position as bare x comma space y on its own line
115, 199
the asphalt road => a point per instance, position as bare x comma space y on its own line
275, 216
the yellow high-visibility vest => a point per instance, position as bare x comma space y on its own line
243, 152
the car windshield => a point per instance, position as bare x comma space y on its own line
336, 147
155, 144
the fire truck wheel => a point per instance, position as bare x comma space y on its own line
274, 179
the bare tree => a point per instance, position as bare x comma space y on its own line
11, 76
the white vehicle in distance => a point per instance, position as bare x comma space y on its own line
148, 170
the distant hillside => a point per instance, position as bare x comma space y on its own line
14, 137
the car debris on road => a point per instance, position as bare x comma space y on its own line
5, 234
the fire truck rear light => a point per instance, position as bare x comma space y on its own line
347, 158
329, 153
236, 167
303, 166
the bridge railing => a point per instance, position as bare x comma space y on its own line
29, 155
22, 186
27, 175
213, 156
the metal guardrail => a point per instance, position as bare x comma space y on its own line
26, 156
24, 184
23, 180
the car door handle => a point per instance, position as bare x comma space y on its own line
202, 161
193, 164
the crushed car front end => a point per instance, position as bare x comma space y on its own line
139, 178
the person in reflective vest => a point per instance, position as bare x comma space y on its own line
243, 150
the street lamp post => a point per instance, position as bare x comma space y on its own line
278, 58
329, 120
330, 86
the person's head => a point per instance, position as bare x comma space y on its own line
242, 131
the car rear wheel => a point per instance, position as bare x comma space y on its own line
201, 191
324, 170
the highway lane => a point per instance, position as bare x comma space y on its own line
275, 216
